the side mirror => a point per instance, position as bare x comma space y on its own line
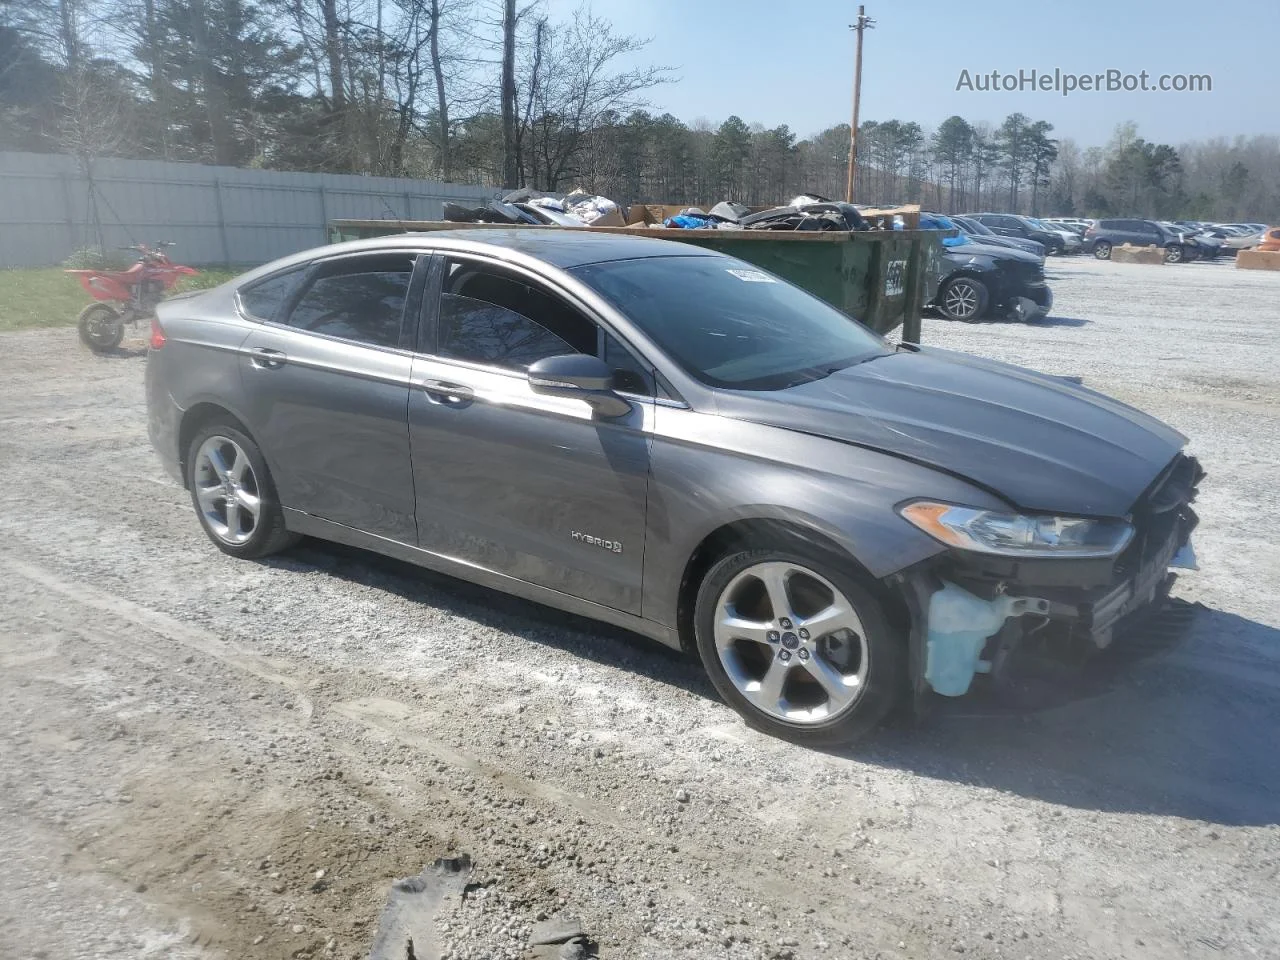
579, 377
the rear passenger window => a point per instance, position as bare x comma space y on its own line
263, 299
360, 299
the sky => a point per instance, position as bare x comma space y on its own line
791, 61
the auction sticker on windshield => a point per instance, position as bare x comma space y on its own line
751, 276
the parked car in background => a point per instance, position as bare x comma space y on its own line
1105, 234
1071, 241
984, 234
1010, 225
1076, 226
675, 441
982, 281
1242, 240
1200, 243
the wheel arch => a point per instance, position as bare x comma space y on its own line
198, 415
758, 531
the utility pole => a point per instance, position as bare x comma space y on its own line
864, 23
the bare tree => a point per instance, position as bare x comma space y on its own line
510, 164
576, 83
92, 126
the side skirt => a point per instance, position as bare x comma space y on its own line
306, 524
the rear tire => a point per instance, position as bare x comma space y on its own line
964, 299
1102, 250
101, 327
233, 495
830, 685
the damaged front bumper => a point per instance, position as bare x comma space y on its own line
1031, 303
970, 612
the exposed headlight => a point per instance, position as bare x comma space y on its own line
1016, 535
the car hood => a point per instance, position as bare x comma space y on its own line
1005, 243
962, 254
1042, 443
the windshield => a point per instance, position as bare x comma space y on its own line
730, 324
976, 227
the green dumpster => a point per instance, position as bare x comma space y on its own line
883, 278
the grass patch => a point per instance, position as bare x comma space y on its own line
47, 297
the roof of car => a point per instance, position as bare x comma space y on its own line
559, 246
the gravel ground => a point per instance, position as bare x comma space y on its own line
209, 758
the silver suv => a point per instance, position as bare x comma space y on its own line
672, 440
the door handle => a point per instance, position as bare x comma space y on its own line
444, 391
264, 358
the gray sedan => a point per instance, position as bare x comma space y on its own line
675, 441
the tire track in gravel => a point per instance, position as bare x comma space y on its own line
386, 716
162, 625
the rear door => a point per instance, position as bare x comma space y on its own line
326, 378
530, 486
1004, 226
1142, 233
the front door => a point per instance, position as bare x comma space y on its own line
526, 485
326, 383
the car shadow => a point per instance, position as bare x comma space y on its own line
581, 636
1173, 720
1052, 321
1177, 718
124, 352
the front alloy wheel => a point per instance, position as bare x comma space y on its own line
964, 299
797, 646
791, 642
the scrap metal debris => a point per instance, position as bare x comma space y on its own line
559, 938
405, 928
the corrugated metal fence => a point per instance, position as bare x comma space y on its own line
217, 215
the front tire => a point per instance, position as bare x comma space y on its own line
964, 299
101, 327
799, 647
233, 495
1102, 250
1174, 254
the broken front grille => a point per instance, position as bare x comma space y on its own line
1165, 509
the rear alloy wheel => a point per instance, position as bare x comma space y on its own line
964, 299
1174, 253
1102, 250
796, 646
233, 495
101, 328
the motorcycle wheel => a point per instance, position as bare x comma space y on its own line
101, 327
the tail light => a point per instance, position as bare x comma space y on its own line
158, 339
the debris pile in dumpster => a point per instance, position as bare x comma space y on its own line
807, 212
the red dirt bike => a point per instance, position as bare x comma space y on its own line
126, 296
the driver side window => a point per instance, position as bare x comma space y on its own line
500, 319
